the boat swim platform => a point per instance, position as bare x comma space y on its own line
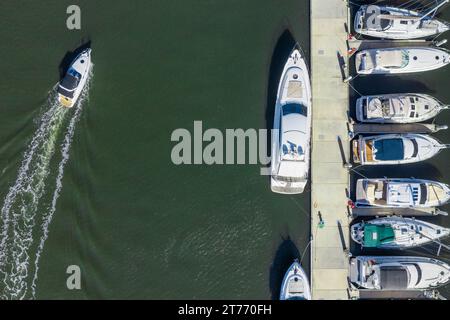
330, 140
366, 128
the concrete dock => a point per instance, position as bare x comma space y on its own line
330, 142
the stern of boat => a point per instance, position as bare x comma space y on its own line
65, 101
287, 187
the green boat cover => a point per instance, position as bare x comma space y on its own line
376, 235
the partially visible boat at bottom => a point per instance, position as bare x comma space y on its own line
398, 272
396, 233
295, 284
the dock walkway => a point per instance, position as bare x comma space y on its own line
329, 262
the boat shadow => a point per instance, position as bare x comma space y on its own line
285, 255
70, 56
281, 52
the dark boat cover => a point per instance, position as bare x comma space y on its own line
389, 149
393, 278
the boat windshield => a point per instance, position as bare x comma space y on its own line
71, 80
389, 149
393, 278
294, 108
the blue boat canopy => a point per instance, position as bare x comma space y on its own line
389, 149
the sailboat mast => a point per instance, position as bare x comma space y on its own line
434, 9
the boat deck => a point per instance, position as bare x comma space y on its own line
329, 178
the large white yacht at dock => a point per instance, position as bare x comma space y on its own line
291, 132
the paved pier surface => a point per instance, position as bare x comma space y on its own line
329, 263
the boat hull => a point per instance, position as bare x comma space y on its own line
82, 65
396, 30
408, 233
424, 273
429, 108
362, 149
294, 180
400, 60
432, 193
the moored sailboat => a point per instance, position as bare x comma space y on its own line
396, 233
388, 22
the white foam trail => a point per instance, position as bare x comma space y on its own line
65, 157
19, 212
21, 204
23, 171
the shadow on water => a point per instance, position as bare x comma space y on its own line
285, 255
70, 56
281, 52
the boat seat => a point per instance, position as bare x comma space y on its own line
296, 286
295, 89
370, 193
369, 151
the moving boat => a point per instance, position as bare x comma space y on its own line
396, 233
395, 149
397, 108
398, 273
292, 128
398, 23
70, 87
401, 60
401, 193
295, 284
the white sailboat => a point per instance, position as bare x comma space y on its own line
389, 22
291, 132
391, 149
71, 86
398, 272
398, 108
401, 193
396, 233
401, 60
295, 284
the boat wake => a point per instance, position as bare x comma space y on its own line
31, 202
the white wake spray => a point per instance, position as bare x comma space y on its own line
65, 157
21, 211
